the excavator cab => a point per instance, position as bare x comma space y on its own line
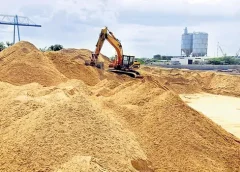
126, 67
128, 61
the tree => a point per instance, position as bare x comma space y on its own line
9, 44
215, 61
230, 60
2, 46
224, 61
55, 47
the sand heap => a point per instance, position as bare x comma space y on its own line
23, 63
64, 131
71, 63
187, 81
114, 123
174, 136
224, 84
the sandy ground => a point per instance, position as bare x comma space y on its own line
224, 110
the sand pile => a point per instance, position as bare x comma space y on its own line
71, 64
23, 63
97, 121
174, 136
176, 80
84, 54
186, 81
224, 84
65, 128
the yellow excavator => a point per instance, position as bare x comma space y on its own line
122, 64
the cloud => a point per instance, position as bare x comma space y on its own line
199, 7
145, 27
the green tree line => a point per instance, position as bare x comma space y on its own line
55, 47
224, 61
5, 45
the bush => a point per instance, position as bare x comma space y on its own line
140, 60
2, 46
55, 47
224, 61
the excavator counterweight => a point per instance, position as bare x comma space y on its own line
122, 64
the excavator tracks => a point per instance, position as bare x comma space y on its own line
131, 73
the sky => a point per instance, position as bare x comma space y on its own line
144, 27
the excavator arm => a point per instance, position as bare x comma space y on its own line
107, 35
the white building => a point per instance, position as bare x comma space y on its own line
188, 60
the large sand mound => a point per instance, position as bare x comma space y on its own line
174, 136
187, 81
71, 63
65, 126
97, 121
23, 63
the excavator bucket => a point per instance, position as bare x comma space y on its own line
87, 62
94, 62
99, 65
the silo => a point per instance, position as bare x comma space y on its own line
200, 44
187, 41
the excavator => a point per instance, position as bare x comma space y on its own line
122, 64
